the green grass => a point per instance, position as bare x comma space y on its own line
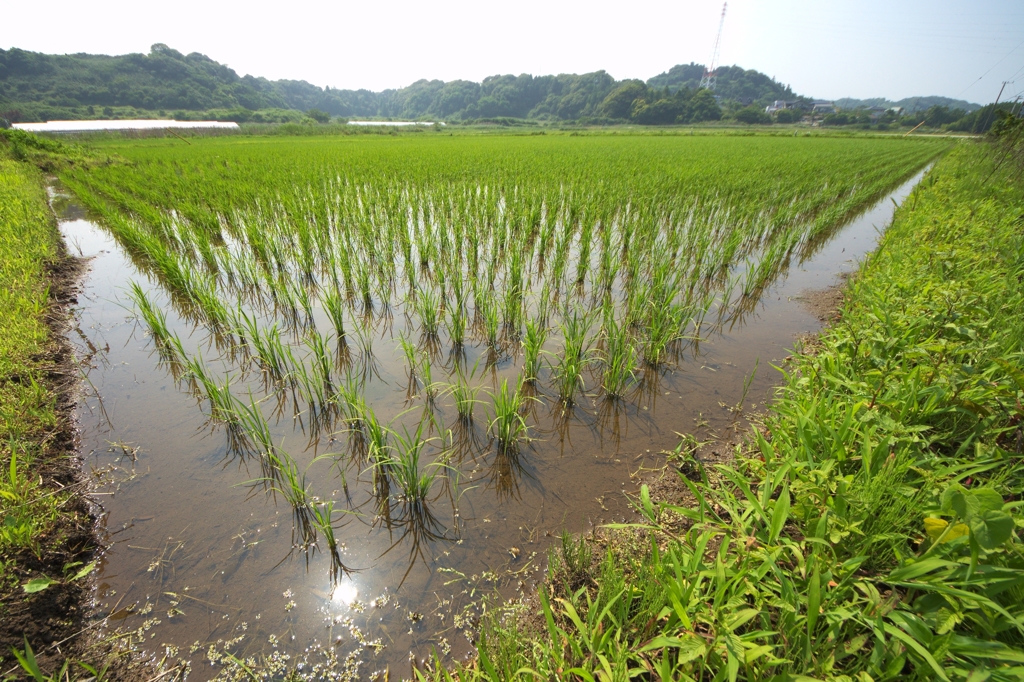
868, 530
28, 418
37, 516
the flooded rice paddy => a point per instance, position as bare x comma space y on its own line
204, 559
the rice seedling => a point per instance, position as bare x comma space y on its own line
409, 351
364, 348
272, 354
429, 385
200, 381
428, 306
509, 425
322, 519
619, 359
464, 394
489, 317
334, 306
567, 372
533, 345
455, 323
365, 286
292, 485
321, 357
155, 320
413, 481
378, 449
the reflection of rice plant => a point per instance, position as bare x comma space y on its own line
533, 342
314, 389
509, 425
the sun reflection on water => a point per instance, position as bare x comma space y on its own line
345, 592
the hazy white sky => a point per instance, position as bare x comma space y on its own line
831, 49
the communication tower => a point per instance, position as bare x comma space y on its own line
708, 80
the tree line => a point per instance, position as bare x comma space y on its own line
36, 86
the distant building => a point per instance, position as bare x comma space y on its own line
822, 106
876, 112
779, 105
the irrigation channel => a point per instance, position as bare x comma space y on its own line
202, 560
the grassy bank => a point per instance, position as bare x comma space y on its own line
45, 529
869, 529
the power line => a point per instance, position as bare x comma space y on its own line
993, 66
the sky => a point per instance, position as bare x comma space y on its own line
822, 48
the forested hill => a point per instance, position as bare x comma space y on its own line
35, 86
732, 82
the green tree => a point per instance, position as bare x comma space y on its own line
788, 115
661, 112
619, 101
836, 119
704, 107
937, 116
752, 115
319, 116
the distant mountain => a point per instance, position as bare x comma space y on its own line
909, 104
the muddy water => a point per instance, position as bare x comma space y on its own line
201, 561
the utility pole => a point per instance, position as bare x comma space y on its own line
707, 82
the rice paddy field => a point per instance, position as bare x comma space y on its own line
344, 391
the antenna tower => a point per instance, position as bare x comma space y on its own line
708, 80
